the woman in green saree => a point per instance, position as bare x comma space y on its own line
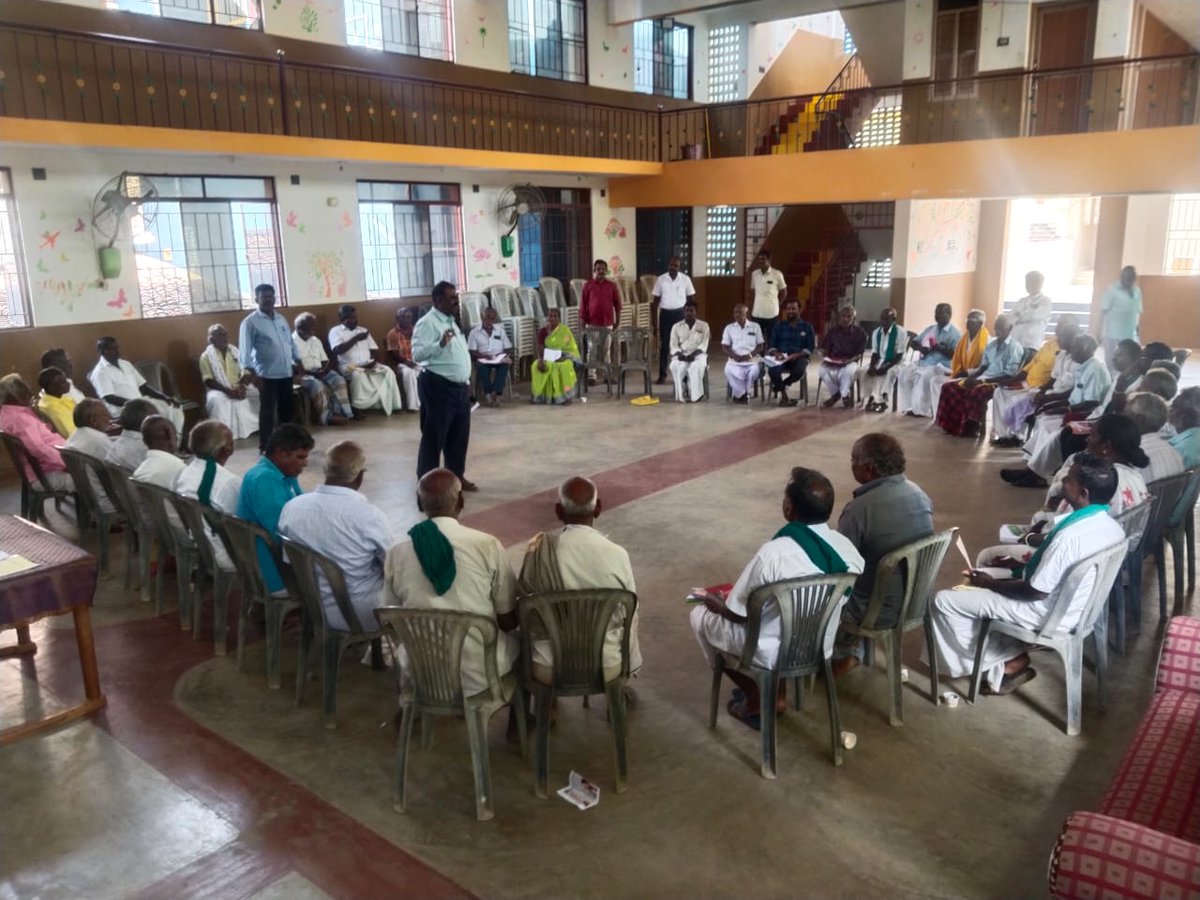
553, 381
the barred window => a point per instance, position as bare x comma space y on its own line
548, 38
724, 63
234, 13
211, 241
1183, 236
662, 58
721, 230
411, 237
879, 274
14, 289
416, 27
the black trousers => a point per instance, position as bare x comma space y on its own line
445, 424
667, 319
767, 326
794, 371
276, 407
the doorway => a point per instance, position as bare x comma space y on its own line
1064, 34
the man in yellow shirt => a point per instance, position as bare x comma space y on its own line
1050, 369
54, 401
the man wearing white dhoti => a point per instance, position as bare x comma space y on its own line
232, 397
371, 383
117, 382
689, 353
1031, 313
887, 351
1049, 376
743, 343
919, 384
1022, 599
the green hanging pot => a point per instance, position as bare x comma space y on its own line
110, 262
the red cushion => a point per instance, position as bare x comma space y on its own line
1158, 783
1179, 665
1101, 857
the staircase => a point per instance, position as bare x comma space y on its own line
820, 122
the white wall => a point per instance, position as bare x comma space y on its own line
918, 38
481, 34
1146, 220
1010, 20
1114, 29
943, 237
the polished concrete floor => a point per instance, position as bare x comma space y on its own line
199, 781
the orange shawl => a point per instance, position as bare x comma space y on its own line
969, 353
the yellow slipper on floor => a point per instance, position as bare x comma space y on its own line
644, 400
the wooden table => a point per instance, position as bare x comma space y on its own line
63, 581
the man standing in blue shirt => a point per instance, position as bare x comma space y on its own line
439, 347
270, 483
265, 343
1120, 314
792, 343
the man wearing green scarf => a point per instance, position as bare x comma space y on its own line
804, 546
887, 352
1021, 598
449, 566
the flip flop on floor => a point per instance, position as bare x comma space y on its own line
738, 694
737, 709
1010, 683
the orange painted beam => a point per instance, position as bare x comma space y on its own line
44, 132
1153, 160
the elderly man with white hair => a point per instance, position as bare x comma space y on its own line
1031, 313
206, 479
1150, 413
843, 344
232, 397
338, 521
578, 557
964, 401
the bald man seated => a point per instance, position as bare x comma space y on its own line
448, 566
338, 521
161, 465
578, 557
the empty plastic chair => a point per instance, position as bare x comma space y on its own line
634, 351
597, 354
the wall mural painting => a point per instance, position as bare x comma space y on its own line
614, 229
346, 222
615, 266
293, 221
327, 269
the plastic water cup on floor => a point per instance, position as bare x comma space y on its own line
849, 740
950, 699
904, 674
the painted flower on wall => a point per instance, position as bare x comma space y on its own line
614, 229
328, 274
309, 19
615, 266
482, 254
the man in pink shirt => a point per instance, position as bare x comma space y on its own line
600, 306
40, 442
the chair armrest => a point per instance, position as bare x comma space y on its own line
1099, 856
1179, 660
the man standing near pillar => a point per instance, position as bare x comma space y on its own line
672, 290
266, 348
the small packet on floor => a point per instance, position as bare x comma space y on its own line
580, 792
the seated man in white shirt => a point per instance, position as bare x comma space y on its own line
486, 343
232, 396
1150, 413
339, 522
743, 343
92, 423
956, 615
578, 557
688, 349
371, 383
326, 388
128, 450
161, 465
448, 566
805, 546
117, 382
206, 479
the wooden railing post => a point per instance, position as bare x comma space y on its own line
283, 99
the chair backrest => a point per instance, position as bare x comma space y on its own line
158, 503
809, 610
915, 568
552, 293
597, 339
1169, 492
531, 303
191, 514
120, 490
636, 342
1134, 521
471, 304
504, 299
158, 375
577, 291
240, 539
310, 568
646, 284
575, 624
1187, 499
627, 288
1105, 564
89, 476
20, 456
433, 644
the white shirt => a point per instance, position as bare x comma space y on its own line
1063, 371
75, 393
90, 441
686, 338
358, 355
1030, 315
121, 380
1165, 460
160, 468
484, 584
778, 560
673, 292
128, 451
486, 344
767, 286
1081, 540
311, 352
741, 339
225, 489
342, 524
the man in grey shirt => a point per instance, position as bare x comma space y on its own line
887, 512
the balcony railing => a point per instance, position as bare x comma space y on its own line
56, 75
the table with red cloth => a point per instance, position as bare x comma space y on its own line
959, 405
63, 580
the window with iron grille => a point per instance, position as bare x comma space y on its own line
234, 13
882, 126
724, 63
879, 274
662, 58
848, 46
415, 27
721, 231
14, 289
548, 38
559, 244
1183, 236
211, 241
411, 237
956, 48
661, 234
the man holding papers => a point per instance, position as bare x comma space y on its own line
743, 344
553, 375
488, 345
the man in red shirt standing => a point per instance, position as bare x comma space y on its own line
601, 305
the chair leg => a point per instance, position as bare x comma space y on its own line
1116, 609
520, 709
222, 582
797, 694
145, 554
619, 721
1177, 563
714, 698
131, 542
183, 582
835, 719
274, 622
985, 628
1160, 564
160, 577
102, 526
407, 714
202, 578
1134, 622
931, 649
481, 763
541, 747
306, 641
1189, 543
768, 692
892, 647
1073, 662
1101, 648
868, 652
331, 654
